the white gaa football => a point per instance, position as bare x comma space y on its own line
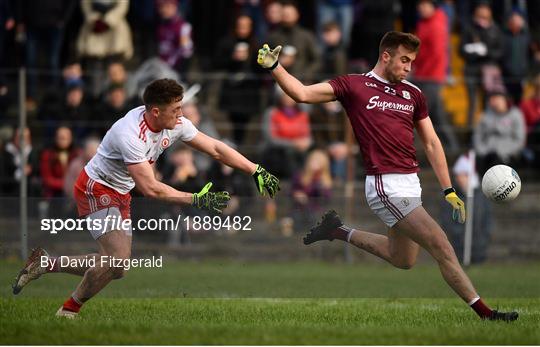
501, 183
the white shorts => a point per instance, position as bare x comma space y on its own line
393, 196
106, 220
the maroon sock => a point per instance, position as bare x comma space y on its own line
481, 309
52, 264
341, 233
72, 305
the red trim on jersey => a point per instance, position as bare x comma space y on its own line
148, 125
142, 132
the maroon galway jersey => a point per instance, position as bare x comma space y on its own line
382, 116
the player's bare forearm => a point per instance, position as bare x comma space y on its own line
290, 84
231, 157
434, 151
222, 153
166, 193
149, 186
437, 159
312, 94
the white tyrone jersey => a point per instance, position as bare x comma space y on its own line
130, 141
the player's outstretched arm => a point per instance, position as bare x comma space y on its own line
265, 181
437, 159
312, 94
146, 182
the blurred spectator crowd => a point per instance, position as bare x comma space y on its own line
88, 61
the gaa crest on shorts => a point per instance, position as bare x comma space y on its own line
405, 202
105, 200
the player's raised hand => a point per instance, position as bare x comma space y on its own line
211, 201
266, 182
268, 58
458, 214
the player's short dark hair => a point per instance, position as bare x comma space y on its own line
162, 92
393, 39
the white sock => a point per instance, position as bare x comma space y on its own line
349, 235
473, 301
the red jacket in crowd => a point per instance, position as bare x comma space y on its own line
432, 60
531, 113
289, 127
53, 169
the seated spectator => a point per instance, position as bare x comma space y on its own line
288, 136
531, 113
227, 179
54, 162
116, 75
204, 123
175, 46
272, 17
53, 98
328, 121
515, 60
89, 149
499, 137
329, 131
76, 110
307, 62
338, 152
179, 171
334, 54
287, 58
481, 48
11, 160
340, 12
240, 93
531, 107
114, 106
72, 73
73, 109
311, 187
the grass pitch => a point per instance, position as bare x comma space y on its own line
290, 303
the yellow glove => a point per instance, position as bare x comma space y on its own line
268, 58
457, 204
